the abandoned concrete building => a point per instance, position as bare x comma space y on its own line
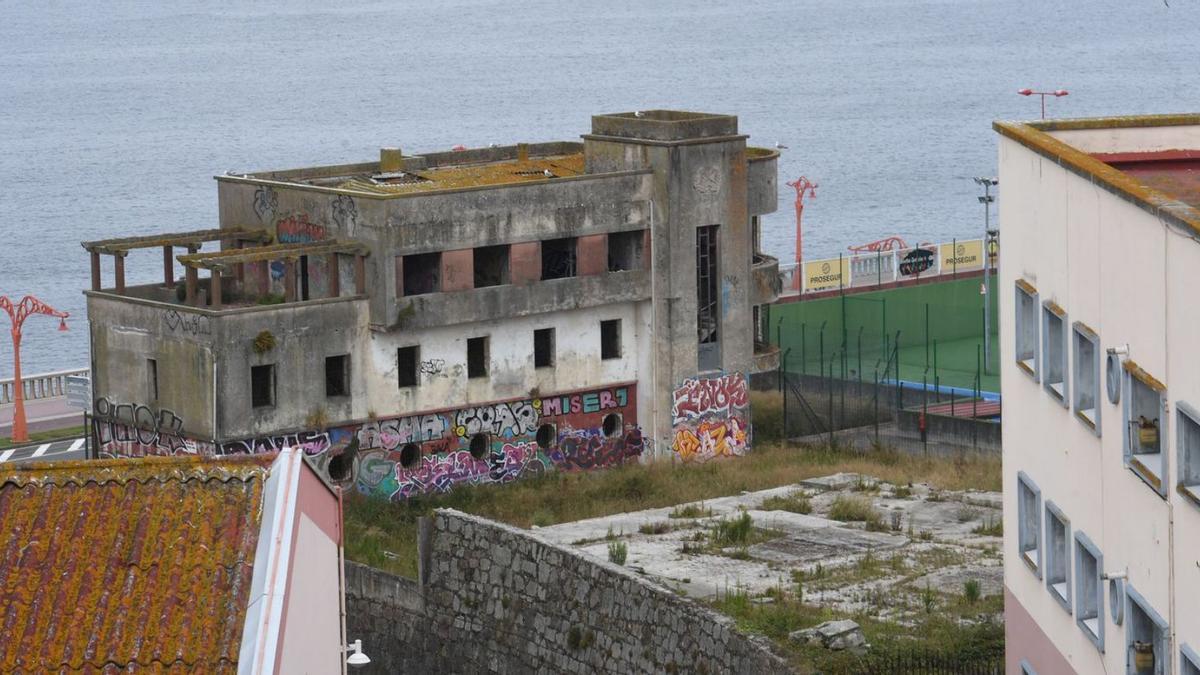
468, 316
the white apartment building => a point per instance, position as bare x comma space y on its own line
1100, 332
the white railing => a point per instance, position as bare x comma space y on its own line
43, 385
884, 267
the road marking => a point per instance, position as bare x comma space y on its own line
40, 451
6, 454
75, 445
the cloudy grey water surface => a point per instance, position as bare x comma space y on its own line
114, 116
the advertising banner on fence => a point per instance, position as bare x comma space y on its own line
870, 269
962, 256
917, 262
823, 275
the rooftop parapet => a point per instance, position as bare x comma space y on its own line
664, 125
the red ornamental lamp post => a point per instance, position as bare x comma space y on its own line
1043, 94
17, 314
804, 187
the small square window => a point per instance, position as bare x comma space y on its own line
422, 273
152, 378
1145, 632
407, 359
610, 339
625, 251
1054, 368
491, 266
1085, 388
337, 375
1089, 590
1058, 555
1189, 661
1145, 427
558, 258
1189, 451
543, 348
1027, 328
1029, 521
262, 386
477, 357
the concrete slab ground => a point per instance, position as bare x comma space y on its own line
920, 541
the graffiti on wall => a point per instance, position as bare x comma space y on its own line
421, 454
345, 213
298, 229
192, 324
711, 418
265, 202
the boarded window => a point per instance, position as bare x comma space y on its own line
1089, 589
1054, 349
1029, 523
262, 386
1085, 389
1027, 329
625, 251
422, 273
610, 339
558, 258
477, 357
491, 266
1058, 556
543, 348
337, 375
406, 365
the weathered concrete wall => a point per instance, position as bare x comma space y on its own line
762, 182
498, 599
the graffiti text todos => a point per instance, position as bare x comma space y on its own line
698, 397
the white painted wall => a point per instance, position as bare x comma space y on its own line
1116, 268
312, 628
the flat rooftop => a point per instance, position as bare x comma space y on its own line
455, 176
1175, 173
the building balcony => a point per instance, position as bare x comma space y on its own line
764, 269
766, 358
493, 303
762, 180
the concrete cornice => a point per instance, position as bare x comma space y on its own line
687, 141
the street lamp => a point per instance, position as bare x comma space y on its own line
1043, 94
990, 236
17, 314
803, 187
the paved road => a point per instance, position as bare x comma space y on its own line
42, 414
58, 450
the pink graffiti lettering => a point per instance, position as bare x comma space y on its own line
296, 229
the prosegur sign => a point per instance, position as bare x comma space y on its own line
962, 256
821, 275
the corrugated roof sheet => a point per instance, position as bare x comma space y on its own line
127, 564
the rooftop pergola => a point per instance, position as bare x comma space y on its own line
119, 248
221, 262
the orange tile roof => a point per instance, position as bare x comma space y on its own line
114, 565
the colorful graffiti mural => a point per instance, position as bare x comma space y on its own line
711, 418
298, 229
427, 453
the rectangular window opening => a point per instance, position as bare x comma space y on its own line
558, 258
610, 339
708, 315
543, 348
1058, 555
1085, 389
477, 357
1189, 451
422, 273
337, 375
1054, 371
262, 386
1145, 631
491, 266
152, 378
1027, 329
625, 251
1145, 428
1089, 589
1029, 522
407, 368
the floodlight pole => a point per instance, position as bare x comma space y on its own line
17, 314
988, 234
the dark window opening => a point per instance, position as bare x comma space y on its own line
422, 273
152, 378
410, 454
625, 251
543, 348
480, 444
477, 357
406, 365
337, 375
262, 386
755, 239
547, 436
612, 425
491, 266
304, 277
340, 466
610, 339
707, 312
558, 258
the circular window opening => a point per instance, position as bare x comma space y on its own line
409, 455
339, 467
479, 445
612, 424
547, 434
